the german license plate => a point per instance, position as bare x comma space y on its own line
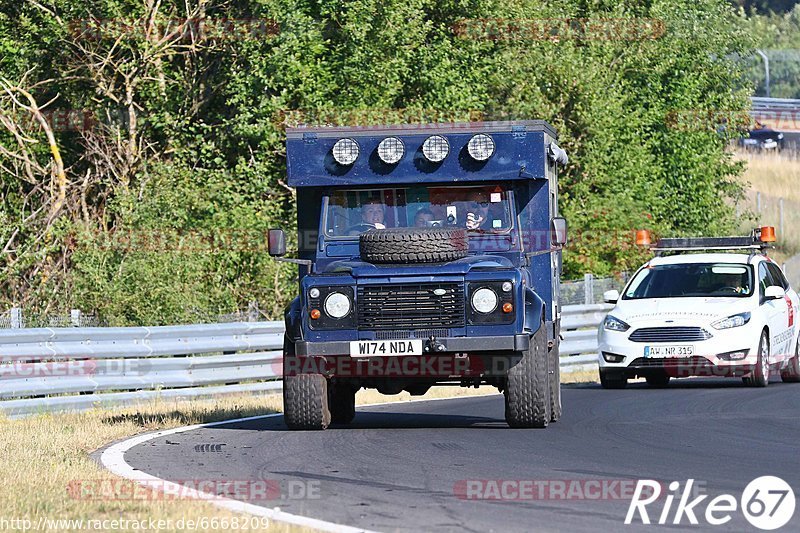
669, 351
379, 348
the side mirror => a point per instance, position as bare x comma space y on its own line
277, 243
611, 297
774, 292
558, 231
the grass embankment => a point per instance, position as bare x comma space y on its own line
45, 455
775, 177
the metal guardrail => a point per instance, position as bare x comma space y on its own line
62, 369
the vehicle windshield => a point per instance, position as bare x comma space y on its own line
691, 280
480, 209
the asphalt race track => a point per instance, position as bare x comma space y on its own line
404, 466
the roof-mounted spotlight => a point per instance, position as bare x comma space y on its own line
345, 151
435, 148
391, 150
480, 147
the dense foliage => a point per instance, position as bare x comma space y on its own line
158, 213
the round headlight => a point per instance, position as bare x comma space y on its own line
391, 150
507, 286
480, 147
337, 305
345, 151
435, 148
314, 293
484, 300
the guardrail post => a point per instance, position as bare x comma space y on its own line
75, 317
588, 289
252, 311
780, 208
17, 321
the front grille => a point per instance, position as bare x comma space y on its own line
411, 306
670, 334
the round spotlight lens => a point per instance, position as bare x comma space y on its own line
435, 148
314, 293
507, 286
337, 305
391, 150
480, 147
484, 300
345, 151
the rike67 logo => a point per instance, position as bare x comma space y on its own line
767, 503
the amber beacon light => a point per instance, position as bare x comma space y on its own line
768, 234
642, 237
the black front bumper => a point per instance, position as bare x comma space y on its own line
505, 343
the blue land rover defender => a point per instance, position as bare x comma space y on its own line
428, 255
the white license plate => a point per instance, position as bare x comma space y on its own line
669, 351
387, 348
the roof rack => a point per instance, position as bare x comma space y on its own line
758, 241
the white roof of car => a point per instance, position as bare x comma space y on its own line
682, 259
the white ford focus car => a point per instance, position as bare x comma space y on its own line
702, 314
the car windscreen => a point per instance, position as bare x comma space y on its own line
479, 209
691, 280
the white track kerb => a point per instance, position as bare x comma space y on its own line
113, 458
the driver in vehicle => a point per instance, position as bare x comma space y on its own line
423, 217
478, 213
372, 213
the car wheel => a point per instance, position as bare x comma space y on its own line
791, 374
760, 376
305, 396
612, 380
527, 390
658, 381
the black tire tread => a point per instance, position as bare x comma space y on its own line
413, 245
527, 391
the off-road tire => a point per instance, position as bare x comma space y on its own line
612, 380
305, 397
527, 390
342, 402
413, 245
760, 376
658, 381
555, 382
791, 374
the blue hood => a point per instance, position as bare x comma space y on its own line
362, 269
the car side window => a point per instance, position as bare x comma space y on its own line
777, 275
764, 279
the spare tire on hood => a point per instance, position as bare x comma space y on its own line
413, 245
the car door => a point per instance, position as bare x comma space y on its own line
774, 311
785, 349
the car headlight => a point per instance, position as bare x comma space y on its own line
391, 150
345, 151
435, 148
337, 305
732, 321
615, 324
484, 300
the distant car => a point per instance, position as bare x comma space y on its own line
763, 139
702, 314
